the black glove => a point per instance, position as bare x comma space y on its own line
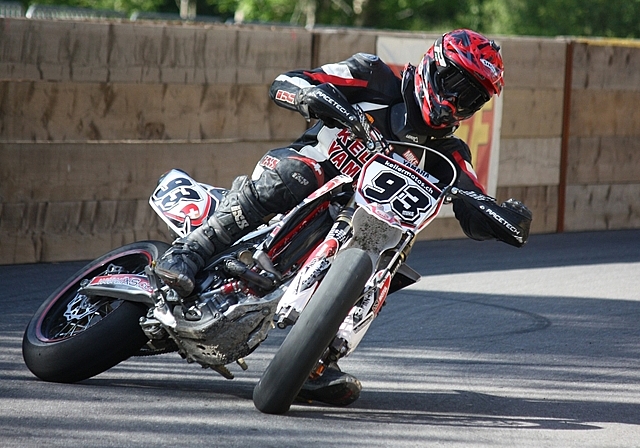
328, 104
483, 218
520, 216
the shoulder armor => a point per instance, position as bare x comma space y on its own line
367, 58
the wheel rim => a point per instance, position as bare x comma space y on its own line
81, 313
71, 313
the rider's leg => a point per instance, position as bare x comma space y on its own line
334, 386
236, 215
280, 181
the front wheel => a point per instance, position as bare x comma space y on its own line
313, 332
73, 337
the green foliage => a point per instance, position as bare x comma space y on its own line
117, 5
267, 10
608, 18
221, 8
416, 14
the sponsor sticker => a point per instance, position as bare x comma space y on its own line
287, 97
269, 162
238, 216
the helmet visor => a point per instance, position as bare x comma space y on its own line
466, 93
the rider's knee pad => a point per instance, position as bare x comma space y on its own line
283, 178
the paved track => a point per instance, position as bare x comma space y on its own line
495, 347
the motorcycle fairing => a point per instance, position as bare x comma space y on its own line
183, 203
396, 197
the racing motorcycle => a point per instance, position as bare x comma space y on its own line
325, 268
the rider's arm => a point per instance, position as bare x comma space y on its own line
362, 77
329, 92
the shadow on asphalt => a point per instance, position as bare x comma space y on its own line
548, 250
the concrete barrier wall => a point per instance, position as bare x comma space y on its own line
92, 113
603, 151
531, 133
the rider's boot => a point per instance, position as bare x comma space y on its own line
333, 387
238, 213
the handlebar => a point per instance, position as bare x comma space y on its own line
363, 129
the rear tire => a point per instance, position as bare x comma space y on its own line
72, 337
313, 332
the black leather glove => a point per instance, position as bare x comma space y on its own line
328, 104
483, 218
520, 216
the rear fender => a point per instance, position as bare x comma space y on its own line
129, 287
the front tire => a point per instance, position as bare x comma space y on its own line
313, 332
72, 337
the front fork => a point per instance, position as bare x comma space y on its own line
313, 271
368, 306
359, 319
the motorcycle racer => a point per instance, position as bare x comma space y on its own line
459, 73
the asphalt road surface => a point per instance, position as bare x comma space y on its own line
495, 347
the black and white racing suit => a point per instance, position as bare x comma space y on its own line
285, 176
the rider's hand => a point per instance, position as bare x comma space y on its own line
518, 207
328, 104
520, 216
360, 127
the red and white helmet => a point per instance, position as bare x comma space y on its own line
459, 73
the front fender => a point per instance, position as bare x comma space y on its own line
405, 276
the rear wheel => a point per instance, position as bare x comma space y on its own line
73, 337
313, 332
